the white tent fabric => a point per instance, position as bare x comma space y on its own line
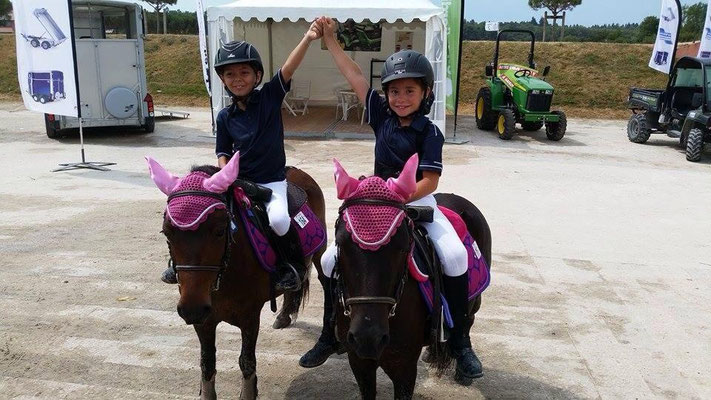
276, 26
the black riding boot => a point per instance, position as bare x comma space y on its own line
290, 268
168, 276
327, 343
456, 290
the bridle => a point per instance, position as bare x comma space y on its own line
229, 239
345, 301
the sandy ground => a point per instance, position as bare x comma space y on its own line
600, 288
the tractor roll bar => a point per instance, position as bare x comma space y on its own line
498, 40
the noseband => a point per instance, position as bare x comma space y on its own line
345, 301
220, 269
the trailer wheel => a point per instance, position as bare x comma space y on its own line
46, 45
150, 125
506, 125
42, 99
34, 43
556, 130
52, 131
35, 98
637, 128
695, 145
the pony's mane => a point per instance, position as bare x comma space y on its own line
208, 169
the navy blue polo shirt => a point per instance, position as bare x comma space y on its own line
395, 144
257, 133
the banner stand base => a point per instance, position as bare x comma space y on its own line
95, 165
456, 140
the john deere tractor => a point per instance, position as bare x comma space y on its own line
517, 94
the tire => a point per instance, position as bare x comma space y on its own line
683, 140
150, 125
52, 132
695, 145
556, 130
506, 124
485, 118
42, 99
638, 129
35, 98
46, 45
34, 43
531, 126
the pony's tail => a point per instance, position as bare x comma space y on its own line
439, 356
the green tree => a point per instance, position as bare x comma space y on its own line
694, 16
648, 29
5, 8
157, 6
556, 7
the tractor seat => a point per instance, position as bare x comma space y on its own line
682, 101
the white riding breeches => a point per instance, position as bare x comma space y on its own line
449, 247
278, 208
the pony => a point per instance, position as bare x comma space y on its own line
220, 277
381, 315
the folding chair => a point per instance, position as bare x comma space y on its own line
297, 100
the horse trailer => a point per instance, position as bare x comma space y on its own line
111, 68
46, 86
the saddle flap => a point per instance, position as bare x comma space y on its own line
296, 198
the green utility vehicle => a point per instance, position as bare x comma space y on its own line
681, 111
517, 94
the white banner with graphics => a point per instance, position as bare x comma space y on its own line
705, 46
45, 58
200, 11
667, 35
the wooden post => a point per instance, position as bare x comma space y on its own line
545, 25
165, 21
562, 28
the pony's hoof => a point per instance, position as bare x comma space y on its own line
249, 388
207, 389
281, 322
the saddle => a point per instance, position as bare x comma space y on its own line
308, 228
426, 268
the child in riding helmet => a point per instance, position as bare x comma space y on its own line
252, 125
402, 129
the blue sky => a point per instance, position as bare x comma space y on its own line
590, 12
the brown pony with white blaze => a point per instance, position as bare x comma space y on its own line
380, 313
219, 275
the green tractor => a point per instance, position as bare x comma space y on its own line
517, 94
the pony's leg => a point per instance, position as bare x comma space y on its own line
404, 376
364, 372
206, 335
283, 319
248, 359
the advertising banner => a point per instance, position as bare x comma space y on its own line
705, 46
200, 11
453, 15
667, 36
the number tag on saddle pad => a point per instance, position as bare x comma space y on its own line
301, 219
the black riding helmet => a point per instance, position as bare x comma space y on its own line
238, 52
409, 64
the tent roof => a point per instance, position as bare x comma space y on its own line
293, 10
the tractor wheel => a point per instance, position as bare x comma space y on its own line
46, 45
531, 126
695, 145
485, 118
506, 125
556, 130
683, 139
637, 128
34, 43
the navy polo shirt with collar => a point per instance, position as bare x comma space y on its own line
257, 133
395, 144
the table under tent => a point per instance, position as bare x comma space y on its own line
369, 31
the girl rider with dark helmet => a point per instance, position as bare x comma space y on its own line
252, 125
402, 129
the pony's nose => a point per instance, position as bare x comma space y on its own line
194, 315
368, 346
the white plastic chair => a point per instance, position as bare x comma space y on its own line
297, 100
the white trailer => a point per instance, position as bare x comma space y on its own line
112, 74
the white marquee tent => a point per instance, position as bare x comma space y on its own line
275, 27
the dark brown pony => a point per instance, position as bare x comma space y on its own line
381, 316
220, 278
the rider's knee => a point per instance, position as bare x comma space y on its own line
455, 260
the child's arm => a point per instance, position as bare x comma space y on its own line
350, 70
297, 55
427, 185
